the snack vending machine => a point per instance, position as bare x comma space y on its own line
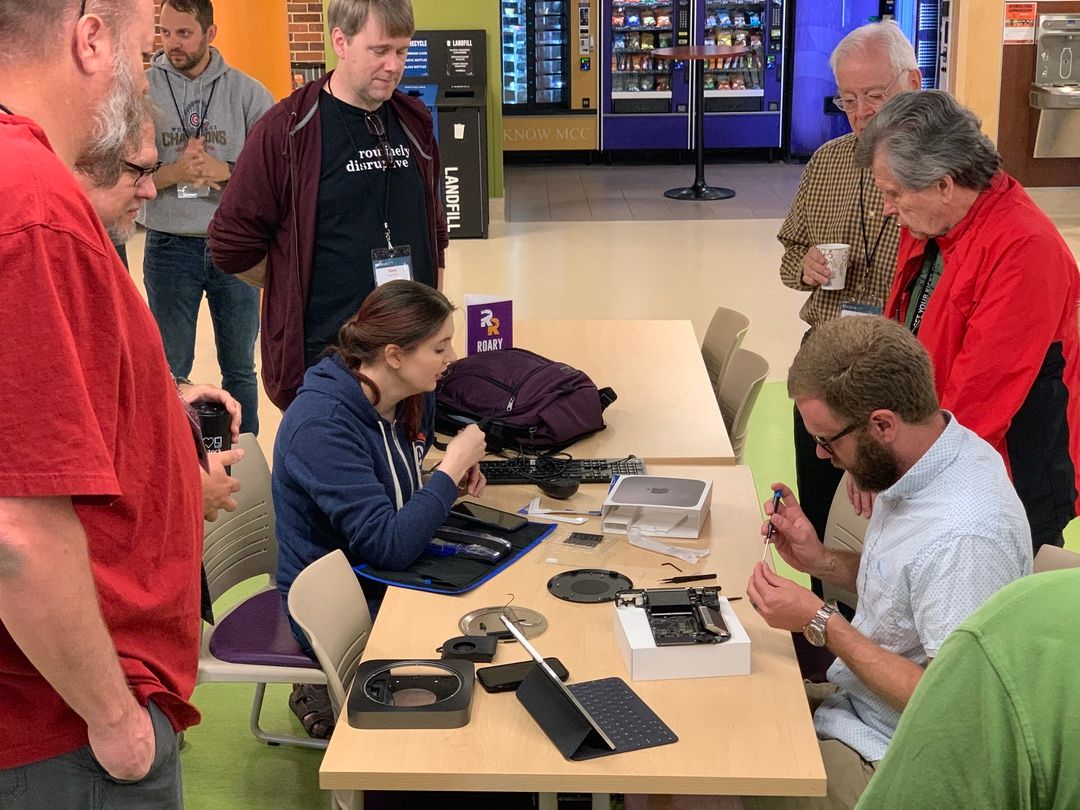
646, 101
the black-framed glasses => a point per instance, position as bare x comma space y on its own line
141, 172
825, 443
375, 127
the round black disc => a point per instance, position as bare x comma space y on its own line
588, 585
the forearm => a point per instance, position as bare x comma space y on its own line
49, 605
890, 676
840, 568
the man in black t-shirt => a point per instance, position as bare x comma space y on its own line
335, 192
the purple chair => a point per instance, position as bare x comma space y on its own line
251, 642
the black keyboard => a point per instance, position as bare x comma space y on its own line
531, 469
622, 715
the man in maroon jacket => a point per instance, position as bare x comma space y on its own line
335, 192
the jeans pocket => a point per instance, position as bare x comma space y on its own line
159, 239
12, 785
165, 747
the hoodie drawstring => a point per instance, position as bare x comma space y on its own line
393, 470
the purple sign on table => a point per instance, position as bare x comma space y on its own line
489, 325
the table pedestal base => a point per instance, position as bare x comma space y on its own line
700, 192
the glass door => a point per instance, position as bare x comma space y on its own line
637, 28
552, 44
735, 77
515, 53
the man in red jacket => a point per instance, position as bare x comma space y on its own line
991, 289
335, 192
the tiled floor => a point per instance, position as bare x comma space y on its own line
607, 193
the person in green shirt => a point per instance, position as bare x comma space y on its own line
994, 721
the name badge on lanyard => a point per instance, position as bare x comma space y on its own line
391, 263
854, 308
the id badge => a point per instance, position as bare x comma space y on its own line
187, 192
391, 264
855, 308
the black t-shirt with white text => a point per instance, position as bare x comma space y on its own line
349, 218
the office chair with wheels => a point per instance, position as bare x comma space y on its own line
252, 642
724, 335
737, 394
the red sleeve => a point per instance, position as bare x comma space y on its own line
254, 202
53, 442
1017, 317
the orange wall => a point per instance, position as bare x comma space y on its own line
256, 43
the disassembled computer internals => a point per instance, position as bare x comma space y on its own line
679, 616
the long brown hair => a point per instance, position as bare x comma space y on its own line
402, 313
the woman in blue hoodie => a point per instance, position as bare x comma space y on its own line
347, 456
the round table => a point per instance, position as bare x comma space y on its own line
698, 54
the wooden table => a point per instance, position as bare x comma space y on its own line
698, 54
741, 735
666, 411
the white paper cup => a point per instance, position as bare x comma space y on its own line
837, 257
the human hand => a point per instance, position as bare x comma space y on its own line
815, 268
211, 393
212, 172
781, 603
475, 482
861, 500
218, 485
793, 535
464, 452
125, 749
187, 168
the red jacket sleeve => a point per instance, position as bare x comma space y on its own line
253, 204
1015, 318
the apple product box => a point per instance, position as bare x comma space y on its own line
647, 662
657, 505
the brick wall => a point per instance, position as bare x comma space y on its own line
306, 26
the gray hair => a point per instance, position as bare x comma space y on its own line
886, 35
926, 136
31, 31
351, 16
117, 123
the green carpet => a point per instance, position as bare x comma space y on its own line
225, 768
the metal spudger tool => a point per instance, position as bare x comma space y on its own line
769, 531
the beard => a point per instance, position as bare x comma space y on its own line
117, 128
184, 62
875, 468
120, 235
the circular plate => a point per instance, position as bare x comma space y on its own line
589, 585
482, 621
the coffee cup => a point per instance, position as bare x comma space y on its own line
215, 422
837, 257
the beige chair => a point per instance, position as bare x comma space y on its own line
737, 394
844, 531
326, 600
1052, 558
724, 335
251, 642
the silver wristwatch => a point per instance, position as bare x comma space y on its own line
815, 629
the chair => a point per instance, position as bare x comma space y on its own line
252, 642
1052, 558
737, 394
724, 335
844, 531
326, 600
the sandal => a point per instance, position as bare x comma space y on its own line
311, 704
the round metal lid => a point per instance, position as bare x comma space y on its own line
482, 621
589, 585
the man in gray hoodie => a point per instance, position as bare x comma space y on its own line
207, 110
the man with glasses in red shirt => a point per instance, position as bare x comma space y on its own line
837, 202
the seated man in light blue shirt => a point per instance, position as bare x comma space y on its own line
947, 531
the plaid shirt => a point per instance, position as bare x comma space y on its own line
828, 208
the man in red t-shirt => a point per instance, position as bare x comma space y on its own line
100, 508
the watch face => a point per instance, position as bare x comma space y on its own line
814, 635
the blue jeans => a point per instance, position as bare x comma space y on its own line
177, 271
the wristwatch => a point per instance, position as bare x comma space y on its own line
815, 628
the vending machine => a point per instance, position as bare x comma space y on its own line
549, 87
646, 101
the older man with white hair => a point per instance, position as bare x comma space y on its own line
988, 285
837, 202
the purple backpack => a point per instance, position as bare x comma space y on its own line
521, 401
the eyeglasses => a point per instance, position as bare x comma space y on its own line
82, 10
375, 127
826, 443
874, 99
141, 172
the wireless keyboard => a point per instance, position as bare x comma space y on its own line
531, 469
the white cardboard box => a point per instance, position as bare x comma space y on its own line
647, 662
659, 506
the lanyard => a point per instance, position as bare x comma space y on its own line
927, 287
867, 252
6, 109
180, 115
386, 169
